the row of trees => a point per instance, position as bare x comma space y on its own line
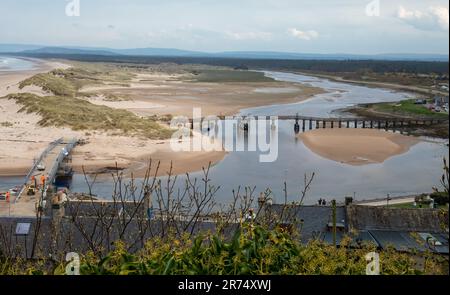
318, 65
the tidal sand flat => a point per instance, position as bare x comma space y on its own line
106, 104
216, 92
357, 146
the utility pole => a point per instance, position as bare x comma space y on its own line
333, 204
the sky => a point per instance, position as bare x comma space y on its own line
301, 26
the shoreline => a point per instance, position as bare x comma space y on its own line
364, 111
372, 84
24, 141
368, 111
105, 150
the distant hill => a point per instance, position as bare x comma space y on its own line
306, 56
11, 48
157, 52
62, 50
171, 52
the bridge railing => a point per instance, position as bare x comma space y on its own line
328, 119
61, 156
36, 163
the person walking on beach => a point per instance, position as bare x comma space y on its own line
8, 196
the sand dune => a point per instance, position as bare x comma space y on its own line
22, 140
357, 146
9, 81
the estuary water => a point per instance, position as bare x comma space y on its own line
415, 171
9, 64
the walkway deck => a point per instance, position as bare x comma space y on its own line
50, 160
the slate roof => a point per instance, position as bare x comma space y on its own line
396, 219
402, 229
315, 219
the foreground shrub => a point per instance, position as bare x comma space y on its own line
254, 251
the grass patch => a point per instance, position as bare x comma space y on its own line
67, 108
6, 124
218, 76
407, 108
51, 83
68, 82
106, 96
66, 111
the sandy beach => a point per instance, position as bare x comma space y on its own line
22, 140
357, 146
9, 81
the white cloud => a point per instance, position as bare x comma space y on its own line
434, 18
249, 35
442, 16
305, 35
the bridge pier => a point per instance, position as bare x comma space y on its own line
317, 124
348, 124
356, 123
310, 125
364, 124
246, 126
297, 128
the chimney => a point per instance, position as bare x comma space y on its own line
348, 201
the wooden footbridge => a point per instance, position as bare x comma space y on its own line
309, 123
42, 176
305, 123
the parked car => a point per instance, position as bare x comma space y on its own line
40, 167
